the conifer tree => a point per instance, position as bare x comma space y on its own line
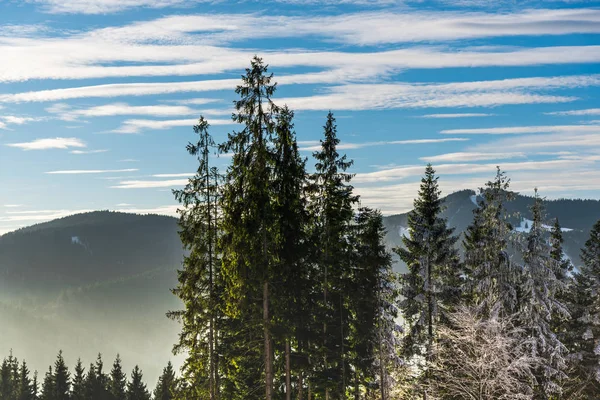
97, 381
247, 242
331, 207
200, 279
584, 330
539, 304
61, 379
117, 386
564, 271
48, 387
166, 385
136, 389
7, 380
492, 278
431, 285
292, 269
78, 387
25, 389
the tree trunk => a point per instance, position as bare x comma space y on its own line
356, 386
267, 335
301, 385
288, 373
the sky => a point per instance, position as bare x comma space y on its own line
98, 97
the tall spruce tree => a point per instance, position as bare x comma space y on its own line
331, 207
539, 304
292, 272
431, 285
166, 385
78, 386
7, 378
62, 379
492, 278
48, 387
247, 237
200, 279
117, 385
25, 390
584, 329
136, 388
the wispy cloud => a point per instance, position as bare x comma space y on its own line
471, 156
103, 6
46, 144
144, 184
132, 126
90, 171
315, 146
180, 175
589, 111
457, 115
89, 151
516, 130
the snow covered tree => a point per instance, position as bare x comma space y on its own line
539, 304
117, 385
492, 278
136, 388
584, 330
482, 358
431, 285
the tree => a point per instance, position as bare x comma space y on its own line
136, 389
539, 304
25, 389
431, 285
492, 278
48, 387
117, 385
482, 358
78, 386
331, 208
96, 381
247, 240
61, 379
583, 340
200, 278
8, 377
166, 385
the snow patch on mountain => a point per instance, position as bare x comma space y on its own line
526, 224
473, 198
403, 232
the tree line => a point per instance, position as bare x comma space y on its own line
288, 290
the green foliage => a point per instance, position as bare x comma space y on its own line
78, 387
61, 379
117, 384
136, 388
166, 387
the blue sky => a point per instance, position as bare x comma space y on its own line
98, 97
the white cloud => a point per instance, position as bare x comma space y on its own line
119, 109
457, 115
45, 144
131, 126
516, 130
471, 156
89, 151
182, 175
103, 6
589, 111
315, 145
139, 184
90, 171
13, 205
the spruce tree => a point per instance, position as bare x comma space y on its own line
97, 381
331, 207
78, 387
166, 385
7, 381
492, 278
25, 389
62, 380
584, 330
48, 387
200, 279
136, 389
247, 238
117, 386
539, 304
431, 285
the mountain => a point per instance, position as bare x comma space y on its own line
99, 282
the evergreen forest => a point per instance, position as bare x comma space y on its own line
288, 289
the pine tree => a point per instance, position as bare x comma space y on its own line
48, 387
97, 381
560, 323
291, 248
200, 279
136, 389
247, 238
166, 386
25, 389
492, 278
539, 304
584, 330
78, 387
61, 379
430, 287
117, 386
7, 381
331, 207
565, 267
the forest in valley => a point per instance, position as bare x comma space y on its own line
288, 290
